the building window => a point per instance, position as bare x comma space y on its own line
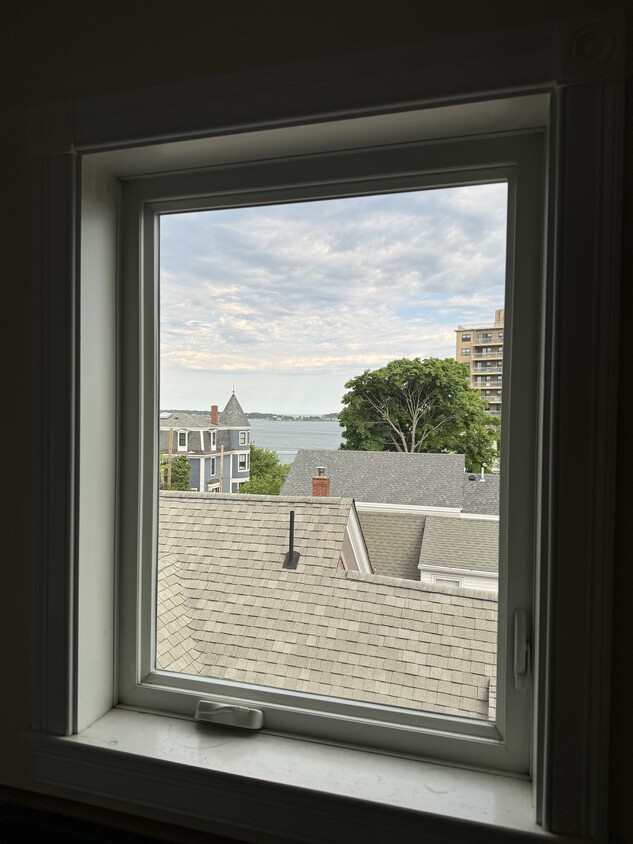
465, 351
212, 469
182, 441
380, 171
213, 439
465, 338
244, 437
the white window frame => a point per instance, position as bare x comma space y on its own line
214, 439
517, 159
75, 575
213, 466
244, 438
183, 447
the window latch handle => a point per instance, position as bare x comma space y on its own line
522, 649
230, 714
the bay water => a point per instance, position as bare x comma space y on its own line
286, 437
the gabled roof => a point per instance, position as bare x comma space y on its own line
227, 609
233, 416
427, 480
461, 543
393, 541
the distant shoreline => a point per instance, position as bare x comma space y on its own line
269, 417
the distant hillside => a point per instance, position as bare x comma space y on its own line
275, 417
284, 417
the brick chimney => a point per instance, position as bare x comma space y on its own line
214, 414
321, 483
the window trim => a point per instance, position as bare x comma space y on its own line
588, 96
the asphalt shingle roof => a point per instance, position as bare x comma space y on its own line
427, 480
393, 542
228, 609
461, 543
481, 496
233, 416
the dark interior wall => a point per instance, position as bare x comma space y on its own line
69, 48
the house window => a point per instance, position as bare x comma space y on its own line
212, 469
244, 437
447, 581
182, 441
465, 351
213, 439
465, 338
381, 175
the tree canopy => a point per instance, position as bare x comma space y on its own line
267, 473
419, 406
180, 472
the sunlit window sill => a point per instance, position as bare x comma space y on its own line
262, 787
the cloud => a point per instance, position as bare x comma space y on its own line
325, 288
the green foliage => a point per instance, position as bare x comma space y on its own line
180, 472
419, 406
267, 473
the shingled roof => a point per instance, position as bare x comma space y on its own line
228, 609
233, 416
461, 543
385, 477
481, 496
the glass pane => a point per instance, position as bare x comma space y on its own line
333, 332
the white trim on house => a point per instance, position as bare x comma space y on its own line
182, 432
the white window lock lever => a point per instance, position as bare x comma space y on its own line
229, 714
522, 649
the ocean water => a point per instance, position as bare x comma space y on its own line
286, 438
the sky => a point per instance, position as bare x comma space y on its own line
285, 303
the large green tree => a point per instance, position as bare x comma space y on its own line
180, 472
419, 406
267, 473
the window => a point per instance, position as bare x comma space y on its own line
465, 338
244, 437
212, 469
447, 581
213, 441
465, 351
569, 701
369, 172
182, 441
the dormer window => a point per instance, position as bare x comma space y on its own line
245, 437
214, 436
182, 441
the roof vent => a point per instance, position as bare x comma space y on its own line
320, 471
292, 557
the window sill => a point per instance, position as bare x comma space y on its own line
264, 787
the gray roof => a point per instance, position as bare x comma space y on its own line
461, 543
427, 480
233, 416
481, 496
393, 542
177, 419
228, 609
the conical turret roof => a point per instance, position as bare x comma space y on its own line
233, 416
